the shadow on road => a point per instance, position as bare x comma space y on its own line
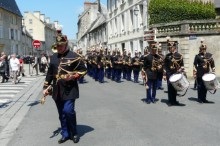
193, 99
34, 103
165, 101
83, 129
4, 105
55, 133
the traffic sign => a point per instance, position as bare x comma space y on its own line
150, 35
36, 44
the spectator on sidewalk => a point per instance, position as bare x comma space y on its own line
34, 64
3, 68
21, 66
15, 66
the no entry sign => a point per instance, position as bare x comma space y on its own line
36, 44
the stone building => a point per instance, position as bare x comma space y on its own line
92, 30
10, 27
126, 24
40, 28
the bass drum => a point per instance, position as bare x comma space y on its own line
210, 81
179, 82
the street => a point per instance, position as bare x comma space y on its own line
113, 114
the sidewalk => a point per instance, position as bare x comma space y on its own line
13, 113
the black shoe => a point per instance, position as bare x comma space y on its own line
160, 88
75, 138
206, 101
200, 101
178, 104
63, 139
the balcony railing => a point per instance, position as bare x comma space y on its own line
188, 27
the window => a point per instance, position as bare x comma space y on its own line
31, 31
1, 16
1, 31
30, 21
11, 34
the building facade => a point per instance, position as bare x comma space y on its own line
126, 24
92, 32
10, 27
40, 28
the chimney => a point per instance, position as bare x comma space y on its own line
87, 5
47, 20
37, 14
42, 17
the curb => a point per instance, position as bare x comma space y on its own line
13, 115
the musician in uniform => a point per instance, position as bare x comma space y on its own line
128, 66
160, 72
136, 66
202, 64
101, 65
108, 64
151, 67
124, 69
118, 63
173, 64
113, 58
65, 68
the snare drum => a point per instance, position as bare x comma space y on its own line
179, 82
210, 81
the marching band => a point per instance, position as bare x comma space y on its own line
153, 66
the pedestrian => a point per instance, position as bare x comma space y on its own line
15, 66
65, 68
34, 64
173, 64
203, 63
3, 69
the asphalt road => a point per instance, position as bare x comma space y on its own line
113, 114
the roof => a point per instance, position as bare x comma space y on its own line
217, 3
98, 22
11, 6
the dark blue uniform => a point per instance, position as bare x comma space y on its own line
172, 63
65, 92
202, 63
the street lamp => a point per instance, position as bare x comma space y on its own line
136, 11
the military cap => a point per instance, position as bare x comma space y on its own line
61, 39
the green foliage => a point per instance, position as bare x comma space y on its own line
165, 11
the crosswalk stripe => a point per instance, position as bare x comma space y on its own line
9, 90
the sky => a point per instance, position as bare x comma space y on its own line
64, 11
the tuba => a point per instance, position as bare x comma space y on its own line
54, 48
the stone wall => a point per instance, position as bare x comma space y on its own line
189, 35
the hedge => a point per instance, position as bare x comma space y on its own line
165, 11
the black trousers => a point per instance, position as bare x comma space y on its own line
172, 93
202, 91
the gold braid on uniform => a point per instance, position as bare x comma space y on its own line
175, 64
62, 76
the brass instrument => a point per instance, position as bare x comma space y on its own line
128, 62
144, 77
137, 62
43, 99
157, 63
